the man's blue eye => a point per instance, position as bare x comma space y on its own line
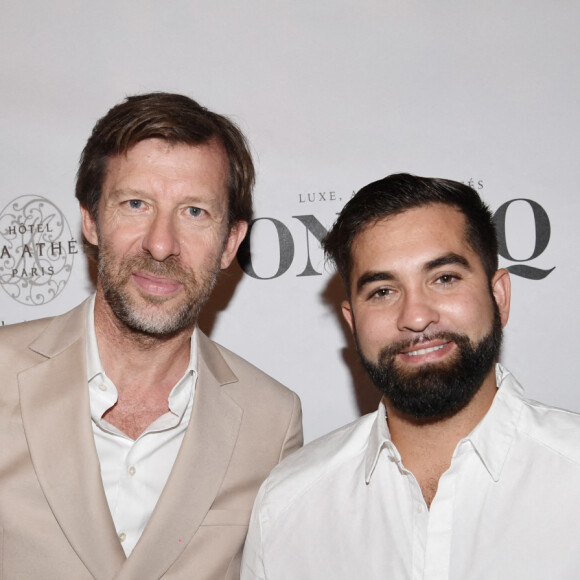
135, 203
195, 211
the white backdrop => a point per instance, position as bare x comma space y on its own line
333, 94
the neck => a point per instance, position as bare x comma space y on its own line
134, 358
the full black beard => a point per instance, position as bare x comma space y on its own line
436, 391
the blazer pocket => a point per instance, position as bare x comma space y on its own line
227, 518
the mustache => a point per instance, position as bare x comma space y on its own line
169, 268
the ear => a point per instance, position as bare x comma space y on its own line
236, 235
502, 288
89, 226
348, 314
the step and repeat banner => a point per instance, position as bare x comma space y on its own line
332, 95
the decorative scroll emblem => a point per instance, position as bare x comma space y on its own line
36, 250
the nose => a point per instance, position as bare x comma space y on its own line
417, 311
161, 240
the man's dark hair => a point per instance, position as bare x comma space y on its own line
176, 119
398, 193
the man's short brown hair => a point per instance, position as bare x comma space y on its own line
175, 119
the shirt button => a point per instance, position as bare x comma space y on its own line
122, 536
132, 470
103, 387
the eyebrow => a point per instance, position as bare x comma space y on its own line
447, 260
370, 277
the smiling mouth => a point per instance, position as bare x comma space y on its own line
425, 350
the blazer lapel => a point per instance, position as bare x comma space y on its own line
57, 423
198, 471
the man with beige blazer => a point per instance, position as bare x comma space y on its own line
132, 445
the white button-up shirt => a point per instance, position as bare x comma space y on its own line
135, 472
346, 508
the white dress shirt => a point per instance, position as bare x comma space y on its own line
346, 508
135, 472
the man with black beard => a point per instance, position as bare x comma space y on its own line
132, 445
456, 476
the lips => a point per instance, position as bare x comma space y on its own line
424, 352
156, 285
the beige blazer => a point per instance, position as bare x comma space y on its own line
54, 518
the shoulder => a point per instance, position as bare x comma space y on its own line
16, 338
241, 365
36, 338
16, 355
318, 462
271, 412
24, 331
254, 382
29, 330
553, 430
558, 430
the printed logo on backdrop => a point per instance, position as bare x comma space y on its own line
538, 241
37, 250
510, 218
